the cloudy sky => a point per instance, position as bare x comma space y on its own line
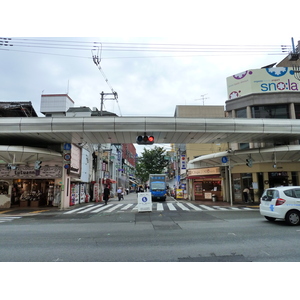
154, 54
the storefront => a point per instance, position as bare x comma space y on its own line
25, 186
206, 184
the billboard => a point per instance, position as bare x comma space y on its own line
262, 81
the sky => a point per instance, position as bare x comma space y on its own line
148, 83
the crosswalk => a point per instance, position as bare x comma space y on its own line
4, 219
98, 208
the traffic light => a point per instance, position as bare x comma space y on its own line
249, 162
37, 164
145, 140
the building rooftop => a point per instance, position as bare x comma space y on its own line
17, 109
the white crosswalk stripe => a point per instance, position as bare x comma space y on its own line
194, 206
171, 206
8, 219
182, 206
160, 207
96, 208
207, 207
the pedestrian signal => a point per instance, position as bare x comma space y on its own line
145, 140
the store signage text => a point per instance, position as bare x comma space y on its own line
29, 172
205, 171
281, 86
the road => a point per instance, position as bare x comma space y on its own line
168, 235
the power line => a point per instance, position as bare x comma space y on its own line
144, 47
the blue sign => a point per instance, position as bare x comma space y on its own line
224, 159
67, 146
144, 199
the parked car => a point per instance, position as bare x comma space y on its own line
281, 203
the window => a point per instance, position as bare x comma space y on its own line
297, 111
241, 113
270, 111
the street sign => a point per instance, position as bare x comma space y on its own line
224, 159
67, 146
144, 202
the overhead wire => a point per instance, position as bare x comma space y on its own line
172, 50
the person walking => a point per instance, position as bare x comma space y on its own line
246, 194
119, 191
106, 194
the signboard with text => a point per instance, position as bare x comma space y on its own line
262, 81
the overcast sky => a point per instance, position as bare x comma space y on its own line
229, 37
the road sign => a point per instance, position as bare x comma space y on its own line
144, 202
224, 159
67, 146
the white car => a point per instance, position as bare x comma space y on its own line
281, 203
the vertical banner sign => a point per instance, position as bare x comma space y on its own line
183, 162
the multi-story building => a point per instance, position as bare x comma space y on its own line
258, 93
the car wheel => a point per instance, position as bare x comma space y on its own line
292, 217
270, 219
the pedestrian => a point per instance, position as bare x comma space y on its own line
119, 191
246, 194
106, 194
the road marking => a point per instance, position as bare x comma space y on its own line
171, 206
126, 206
8, 219
160, 207
114, 208
95, 208
194, 206
103, 207
220, 208
77, 209
182, 206
88, 209
207, 207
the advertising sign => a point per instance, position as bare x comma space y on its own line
144, 202
262, 81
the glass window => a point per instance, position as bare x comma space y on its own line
244, 146
270, 111
241, 113
297, 110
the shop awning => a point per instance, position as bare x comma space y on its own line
285, 153
25, 155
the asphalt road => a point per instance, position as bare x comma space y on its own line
157, 236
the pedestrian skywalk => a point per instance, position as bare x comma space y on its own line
7, 219
120, 207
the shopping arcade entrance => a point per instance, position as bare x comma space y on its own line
45, 132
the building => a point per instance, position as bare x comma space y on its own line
262, 94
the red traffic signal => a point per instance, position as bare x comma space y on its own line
145, 140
